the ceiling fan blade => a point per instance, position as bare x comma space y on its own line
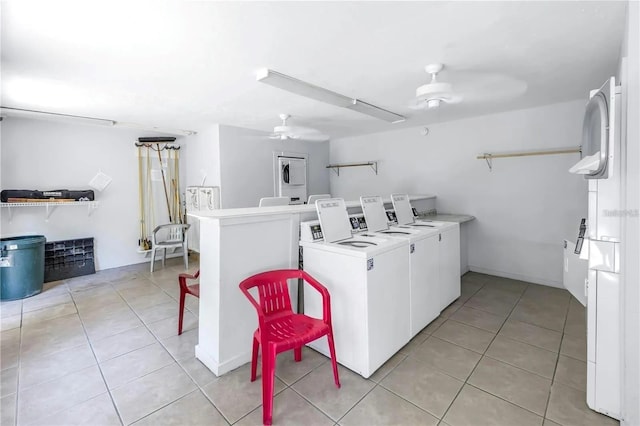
299, 130
453, 98
317, 137
285, 132
493, 87
417, 104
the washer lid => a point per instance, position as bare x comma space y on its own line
374, 214
401, 205
334, 219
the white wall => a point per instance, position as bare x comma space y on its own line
202, 153
45, 155
246, 165
523, 208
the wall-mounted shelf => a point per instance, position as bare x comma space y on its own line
50, 206
336, 167
488, 157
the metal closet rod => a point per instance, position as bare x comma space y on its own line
336, 167
368, 163
487, 155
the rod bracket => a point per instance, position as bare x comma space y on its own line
489, 159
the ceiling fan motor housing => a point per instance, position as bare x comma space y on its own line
434, 91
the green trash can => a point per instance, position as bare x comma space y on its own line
21, 266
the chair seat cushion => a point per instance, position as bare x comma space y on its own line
292, 331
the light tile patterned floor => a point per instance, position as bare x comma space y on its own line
103, 350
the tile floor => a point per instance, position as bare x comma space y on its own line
103, 350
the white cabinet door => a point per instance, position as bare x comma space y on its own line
425, 275
449, 266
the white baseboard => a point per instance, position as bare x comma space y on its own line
520, 277
220, 368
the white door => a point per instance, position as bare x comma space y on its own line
449, 266
425, 274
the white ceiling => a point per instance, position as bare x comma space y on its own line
180, 64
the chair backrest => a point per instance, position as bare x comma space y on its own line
312, 198
274, 201
171, 232
273, 291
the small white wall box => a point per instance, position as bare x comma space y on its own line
100, 181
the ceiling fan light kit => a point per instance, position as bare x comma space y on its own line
308, 90
432, 94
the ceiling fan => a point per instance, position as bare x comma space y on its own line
285, 132
430, 95
474, 87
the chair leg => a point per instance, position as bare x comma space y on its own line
254, 359
268, 373
334, 363
185, 254
153, 257
181, 314
164, 256
297, 354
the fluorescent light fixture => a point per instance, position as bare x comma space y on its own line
54, 116
377, 112
311, 91
179, 132
27, 113
302, 88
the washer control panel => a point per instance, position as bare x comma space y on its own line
311, 231
391, 217
358, 223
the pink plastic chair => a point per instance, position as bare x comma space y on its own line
185, 289
279, 329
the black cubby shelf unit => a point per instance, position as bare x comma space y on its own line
68, 259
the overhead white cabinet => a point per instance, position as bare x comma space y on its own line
449, 241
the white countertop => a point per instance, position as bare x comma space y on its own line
448, 217
301, 208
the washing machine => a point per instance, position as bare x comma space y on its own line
424, 294
368, 280
449, 247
